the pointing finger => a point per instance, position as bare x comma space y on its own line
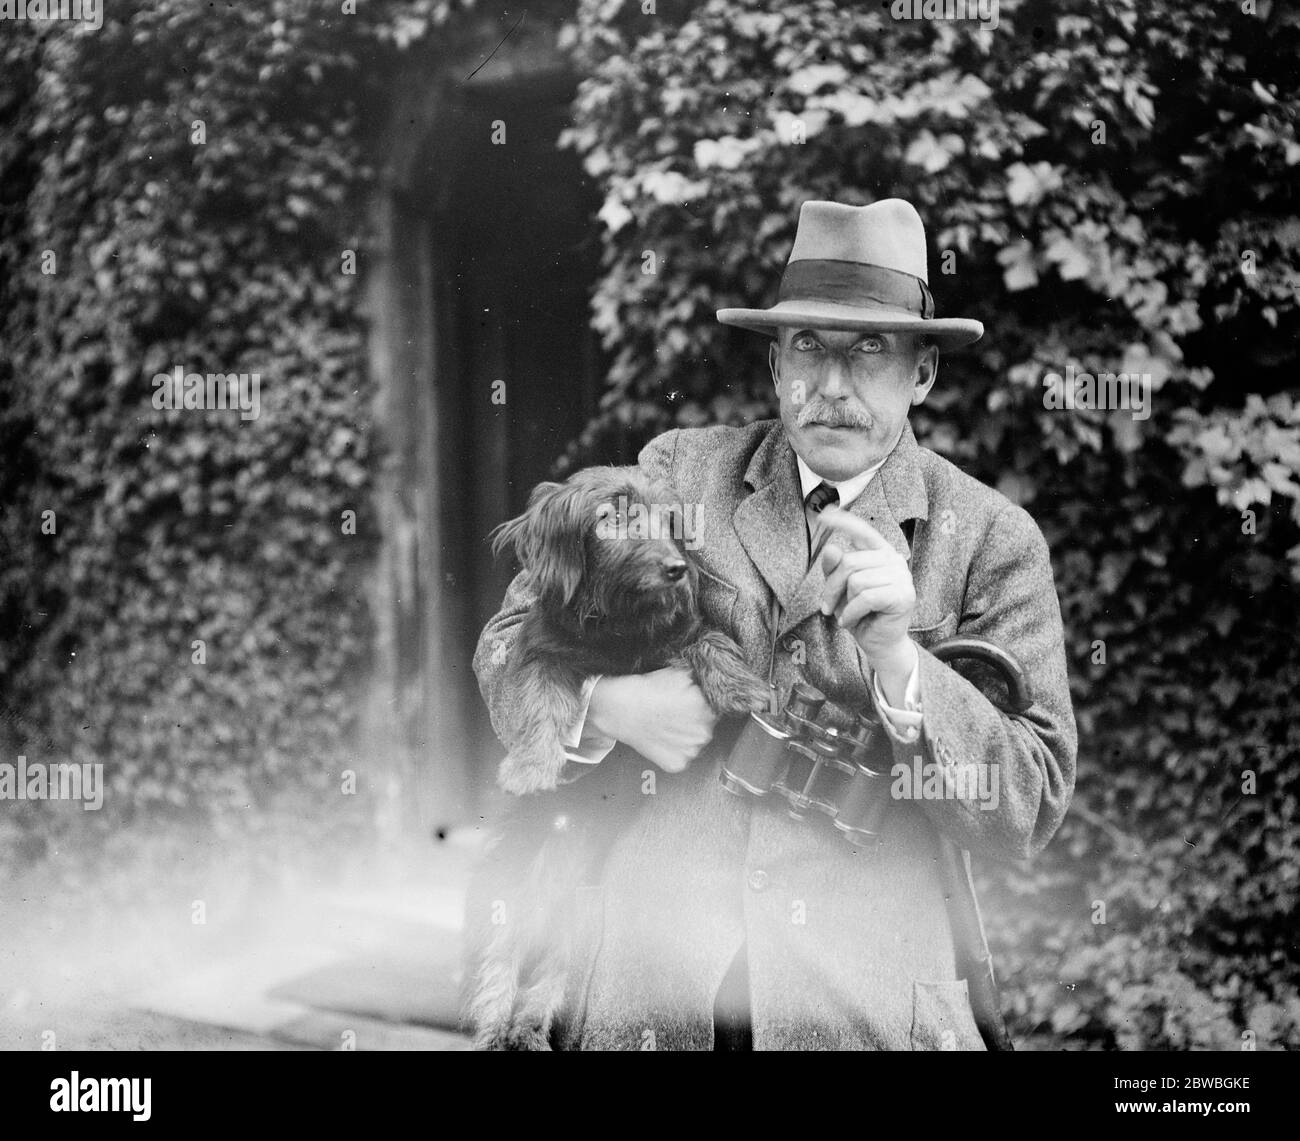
853, 527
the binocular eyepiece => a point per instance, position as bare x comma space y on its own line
814, 767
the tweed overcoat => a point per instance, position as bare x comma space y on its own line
847, 947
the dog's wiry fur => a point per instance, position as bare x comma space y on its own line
609, 604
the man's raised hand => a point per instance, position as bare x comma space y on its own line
869, 590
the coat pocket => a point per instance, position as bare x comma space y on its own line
942, 1018
717, 599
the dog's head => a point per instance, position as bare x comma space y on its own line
606, 542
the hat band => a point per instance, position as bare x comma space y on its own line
854, 283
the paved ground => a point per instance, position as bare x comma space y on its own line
340, 973
373, 965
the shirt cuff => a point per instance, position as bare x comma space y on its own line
903, 725
580, 744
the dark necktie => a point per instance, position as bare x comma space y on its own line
821, 497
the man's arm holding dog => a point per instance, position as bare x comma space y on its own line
662, 715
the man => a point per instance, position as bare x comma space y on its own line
835, 551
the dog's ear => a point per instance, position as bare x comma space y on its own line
516, 534
548, 539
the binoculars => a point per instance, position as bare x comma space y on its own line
845, 775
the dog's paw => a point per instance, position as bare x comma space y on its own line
526, 771
514, 1039
745, 695
728, 684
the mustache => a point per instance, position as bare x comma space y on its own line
833, 415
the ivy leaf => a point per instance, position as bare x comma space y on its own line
1018, 271
1027, 185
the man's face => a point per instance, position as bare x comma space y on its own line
845, 395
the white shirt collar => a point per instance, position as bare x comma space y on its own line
849, 489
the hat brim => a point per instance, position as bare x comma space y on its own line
946, 332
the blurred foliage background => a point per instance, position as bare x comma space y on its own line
222, 254
1116, 186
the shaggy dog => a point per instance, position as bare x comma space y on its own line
605, 556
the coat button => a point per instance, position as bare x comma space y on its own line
758, 879
788, 643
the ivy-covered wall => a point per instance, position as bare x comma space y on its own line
181, 592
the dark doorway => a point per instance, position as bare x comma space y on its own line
516, 255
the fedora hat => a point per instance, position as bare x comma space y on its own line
857, 267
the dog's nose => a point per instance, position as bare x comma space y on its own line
675, 569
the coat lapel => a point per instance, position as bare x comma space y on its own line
769, 520
770, 523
